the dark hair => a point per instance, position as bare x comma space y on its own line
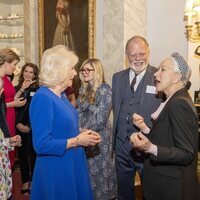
188, 85
11, 77
36, 72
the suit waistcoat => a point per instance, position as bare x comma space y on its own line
129, 105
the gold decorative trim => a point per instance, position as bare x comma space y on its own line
41, 27
91, 28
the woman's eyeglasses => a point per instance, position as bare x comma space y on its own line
87, 71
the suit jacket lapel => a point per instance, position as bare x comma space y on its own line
146, 79
121, 88
182, 92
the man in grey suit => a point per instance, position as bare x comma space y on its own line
133, 92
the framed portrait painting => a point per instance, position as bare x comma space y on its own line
68, 22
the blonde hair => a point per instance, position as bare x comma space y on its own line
55, 65
89, 92
8, 55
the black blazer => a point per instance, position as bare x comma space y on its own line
22, 113
172, 174
3, 122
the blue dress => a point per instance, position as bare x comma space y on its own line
95, 116
59, 174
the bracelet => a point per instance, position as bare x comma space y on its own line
21, 90
77, 141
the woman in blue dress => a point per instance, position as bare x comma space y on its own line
94, 107
61, 167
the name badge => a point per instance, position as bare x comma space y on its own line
32, 93
151, 89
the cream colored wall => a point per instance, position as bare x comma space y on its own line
165, 29
113, 37
31, 27
117, 21
166, 34
134, 18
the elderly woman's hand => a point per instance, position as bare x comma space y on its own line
140, 141
85, 138
88, 138
15, 141
138, 121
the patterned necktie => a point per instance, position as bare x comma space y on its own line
133, 83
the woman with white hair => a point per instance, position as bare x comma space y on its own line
170, 170
61, 167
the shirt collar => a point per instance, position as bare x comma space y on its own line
132, 75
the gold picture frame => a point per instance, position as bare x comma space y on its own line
46, 12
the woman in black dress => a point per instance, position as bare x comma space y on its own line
27, 86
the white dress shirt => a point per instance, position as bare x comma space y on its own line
138, 78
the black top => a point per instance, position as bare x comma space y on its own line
3, 123
22, 113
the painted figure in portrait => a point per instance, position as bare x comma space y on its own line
63, 33
66, 22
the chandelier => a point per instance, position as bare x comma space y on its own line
192, 11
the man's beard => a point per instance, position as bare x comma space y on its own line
139, 65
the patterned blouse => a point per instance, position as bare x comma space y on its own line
95, 116
5, 168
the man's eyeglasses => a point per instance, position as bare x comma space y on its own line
87, 71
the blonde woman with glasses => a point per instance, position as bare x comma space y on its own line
94, 107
